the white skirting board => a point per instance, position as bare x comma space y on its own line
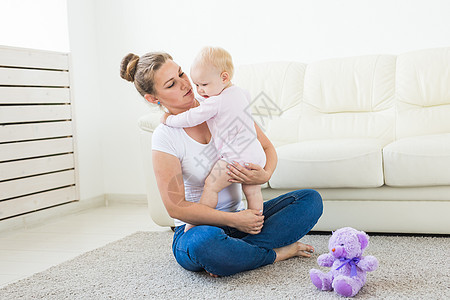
40, 217
125, 198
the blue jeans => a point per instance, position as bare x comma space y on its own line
225, 250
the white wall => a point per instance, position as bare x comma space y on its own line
34, 24
88, 99
253, 31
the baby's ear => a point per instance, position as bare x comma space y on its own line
363, 239
225, 76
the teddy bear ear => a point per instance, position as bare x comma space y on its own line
363, 239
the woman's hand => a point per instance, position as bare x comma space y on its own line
249, 221
250, 174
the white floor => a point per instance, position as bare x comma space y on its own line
24, 252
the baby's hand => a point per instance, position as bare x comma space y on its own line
164, 118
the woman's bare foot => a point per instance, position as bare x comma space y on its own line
292, 250
212, 275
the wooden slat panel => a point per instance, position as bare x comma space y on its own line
24, 77
21, 132
25, 95
19, 187
33, 113
22, 168
35, 148
21, 57
38, 201
34, 86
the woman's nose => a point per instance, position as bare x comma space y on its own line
185, 84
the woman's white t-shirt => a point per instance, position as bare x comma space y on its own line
196, 161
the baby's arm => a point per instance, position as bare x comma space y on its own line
194, 116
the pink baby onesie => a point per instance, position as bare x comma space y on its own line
232, 127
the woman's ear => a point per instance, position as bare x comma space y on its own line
151, 98
225, 76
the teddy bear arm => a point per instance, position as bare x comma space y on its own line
368, 263
325, 260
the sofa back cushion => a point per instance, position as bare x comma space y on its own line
274, 88
349, 98
423, 92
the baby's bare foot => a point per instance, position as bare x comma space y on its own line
188, 226
293, 250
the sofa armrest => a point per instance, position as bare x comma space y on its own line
150, 121
158, 212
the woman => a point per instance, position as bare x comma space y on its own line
228, 239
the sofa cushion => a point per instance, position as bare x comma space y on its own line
418, 161
274, 87
349, 98
329, 163
423, 93
282, 131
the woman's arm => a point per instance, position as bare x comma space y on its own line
254, 174
170, 183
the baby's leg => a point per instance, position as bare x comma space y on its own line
216, 181
254, 196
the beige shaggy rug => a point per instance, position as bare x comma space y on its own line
141, 266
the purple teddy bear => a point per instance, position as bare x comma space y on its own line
348, 266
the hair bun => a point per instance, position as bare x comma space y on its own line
128, 66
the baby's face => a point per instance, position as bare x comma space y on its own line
207, 80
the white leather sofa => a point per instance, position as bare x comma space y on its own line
370, 133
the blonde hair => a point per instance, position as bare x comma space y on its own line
217, 57
141, 70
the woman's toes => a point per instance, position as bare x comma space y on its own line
212, 275
306, 250
310, 249
304, 254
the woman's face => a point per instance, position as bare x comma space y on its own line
173, 88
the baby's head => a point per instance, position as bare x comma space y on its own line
212, 71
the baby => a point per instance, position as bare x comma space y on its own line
232, 128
